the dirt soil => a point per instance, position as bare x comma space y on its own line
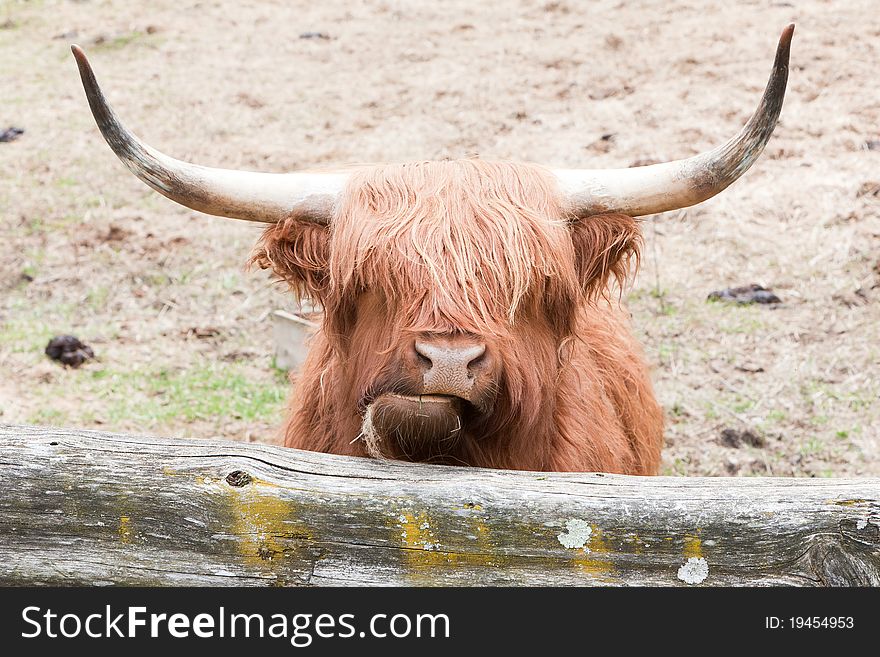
180, 331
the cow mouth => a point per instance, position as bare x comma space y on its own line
414, 427
428, 399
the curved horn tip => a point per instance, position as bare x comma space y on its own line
782, 51
82, 62
78, 52
787, 33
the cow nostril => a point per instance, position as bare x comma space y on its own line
478, 360
423, 353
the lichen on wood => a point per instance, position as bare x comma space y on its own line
92, 508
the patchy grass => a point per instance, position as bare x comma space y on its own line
165, 396
159, 399
27, 334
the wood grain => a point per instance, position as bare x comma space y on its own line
91, 508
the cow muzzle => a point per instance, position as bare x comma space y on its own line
452, 384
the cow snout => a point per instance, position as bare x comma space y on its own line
451, 365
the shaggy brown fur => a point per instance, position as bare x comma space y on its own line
481, 249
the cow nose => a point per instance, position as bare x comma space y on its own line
450, 366
447, 356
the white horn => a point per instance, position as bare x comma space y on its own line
263, 197
638, 191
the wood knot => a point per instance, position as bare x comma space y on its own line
238, 478
843, 562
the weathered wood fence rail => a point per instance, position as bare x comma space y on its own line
82, 507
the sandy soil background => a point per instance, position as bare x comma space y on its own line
181, 333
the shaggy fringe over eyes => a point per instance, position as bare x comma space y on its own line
456, 245
297, 253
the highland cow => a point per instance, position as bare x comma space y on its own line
471, 308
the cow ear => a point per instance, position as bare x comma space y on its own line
298, 253
606, 246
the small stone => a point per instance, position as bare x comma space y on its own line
745, 295
11, 134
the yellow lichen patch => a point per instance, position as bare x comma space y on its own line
423, 549
693, 547
416, 531
265, 526
486, 549
593, 559
124, 530
849, 502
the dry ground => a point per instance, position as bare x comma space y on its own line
184, 346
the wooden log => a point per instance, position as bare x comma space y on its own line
84, 507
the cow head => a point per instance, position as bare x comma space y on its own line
450, 288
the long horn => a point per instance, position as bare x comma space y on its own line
263, 197
638, 191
